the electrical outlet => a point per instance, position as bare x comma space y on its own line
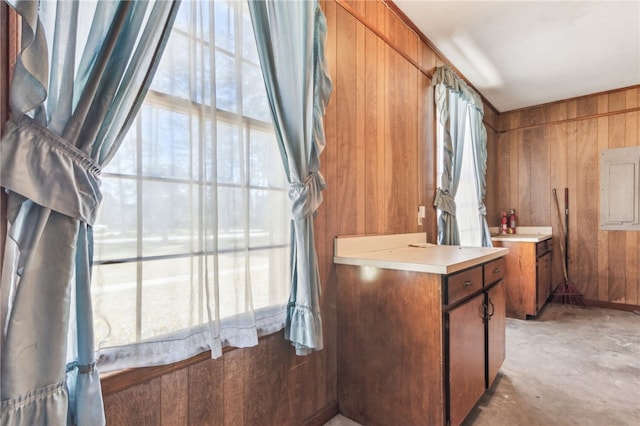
421, 214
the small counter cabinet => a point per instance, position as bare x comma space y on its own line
528, 279
416, 347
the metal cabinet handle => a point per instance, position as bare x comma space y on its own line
493, 309
467, 283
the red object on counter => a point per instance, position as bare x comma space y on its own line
503, 223
512, 222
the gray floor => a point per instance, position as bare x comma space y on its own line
570, 366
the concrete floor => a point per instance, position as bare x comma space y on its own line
570, 366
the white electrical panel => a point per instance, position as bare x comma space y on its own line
620, 189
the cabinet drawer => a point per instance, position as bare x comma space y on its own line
543, 247
494, 271
463, 283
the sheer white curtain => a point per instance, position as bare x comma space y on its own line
192, 240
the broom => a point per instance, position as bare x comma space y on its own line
566, 293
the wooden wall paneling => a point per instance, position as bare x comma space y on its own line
427, 58
631, 139
174, 398
540, 200
374, 109
532, 116
515, 139
604, 264
556, 111
617, 100
371, 12
617, 239
361, 107
233, 388
393, 27
603, 236
260, 382
586, 106
523, 173
389, 135
206, 399
637, 234
424, 168
429, 138
4, 65
572, 108
330, 209
558, 175
492, 186
587, 206
571, 184
393, 174
346, 122
414, 101
9, 47
407, 144
404, 200
382, 16
382, 127
324, 249
136, 406
504, 178
352, 4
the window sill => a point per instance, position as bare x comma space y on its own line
117, 381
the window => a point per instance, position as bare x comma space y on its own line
467, 216
195, 201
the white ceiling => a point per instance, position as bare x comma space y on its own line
523, 53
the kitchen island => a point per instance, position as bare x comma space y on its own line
420, 328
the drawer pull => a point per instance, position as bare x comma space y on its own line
497, 270
467, 283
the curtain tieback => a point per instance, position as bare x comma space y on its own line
445, 201
482, 209
82, 368
306, 197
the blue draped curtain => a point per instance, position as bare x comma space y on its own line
80, 77
456, 103
290, 36
479, 144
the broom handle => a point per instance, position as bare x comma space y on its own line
562, 252
566, 224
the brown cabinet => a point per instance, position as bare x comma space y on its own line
527, 277
466, 349
417, 348
495, 330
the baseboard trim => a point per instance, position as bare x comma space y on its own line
322, 416
611, 305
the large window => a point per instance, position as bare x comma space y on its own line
467, 216
195, 205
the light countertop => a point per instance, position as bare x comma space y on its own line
524, 234
410, 252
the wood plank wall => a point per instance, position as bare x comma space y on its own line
9, 45
557, 145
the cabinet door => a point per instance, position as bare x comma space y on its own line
495, 330
466, 357
543, 286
